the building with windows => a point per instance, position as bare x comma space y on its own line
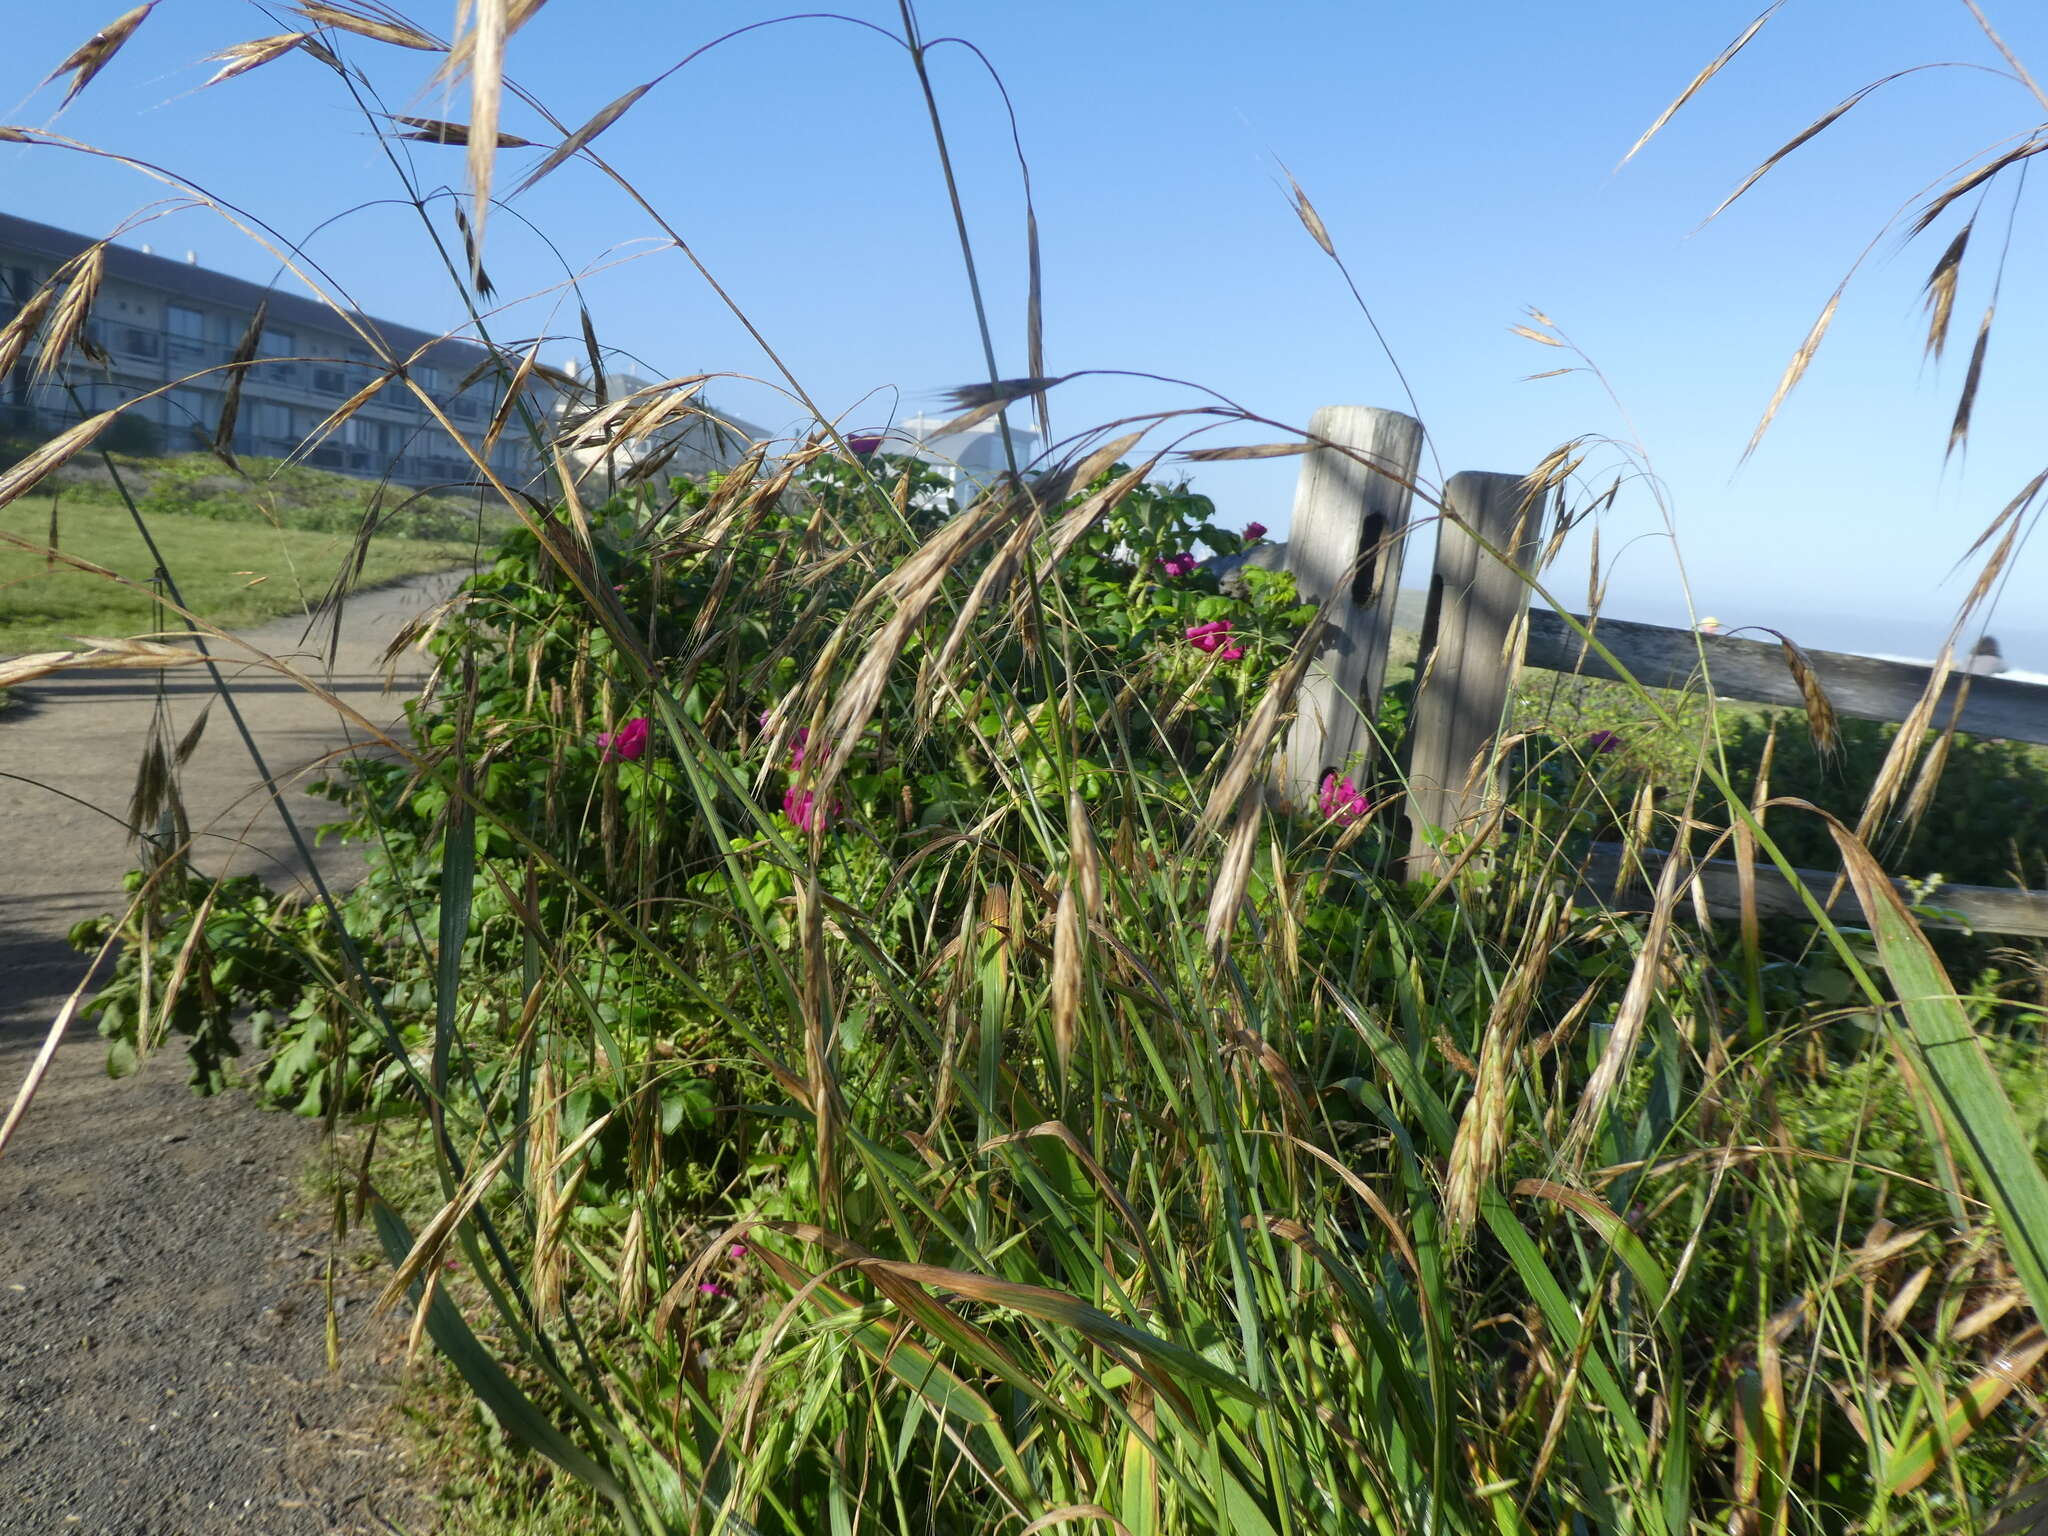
161, 322
971, 461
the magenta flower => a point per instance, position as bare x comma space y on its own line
1208, 637
1603, 741
1253, 532
1341, 800
796, 746
1177, 566
709, 1289
629, 741
739, 1250
1233, 653
864, 444
804, 811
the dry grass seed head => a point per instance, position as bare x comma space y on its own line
1084, 859
47, 457
93, 55
81, 277
1233, 873
1940, 203
1310, 219
993, 582
231, 397
240, 58
434, 130
346, 409
22, 329
1966, 401
480, 49
378, 24
605, 117
1941, 290
1482, 1138
1820, 710
1796, 369
914, 586
978, 402
434, 1238
1067, 976
1692, 88
1078, 519
1245, 451
1242, 775
1630, 1016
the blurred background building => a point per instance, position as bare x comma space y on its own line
161, 321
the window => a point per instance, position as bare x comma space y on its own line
330, 381
267, 419
15, 286
276, 343
185, 323
194, 412
140, 343
428, 378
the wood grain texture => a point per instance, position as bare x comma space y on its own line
1350, 512
1985, 908
1755, 670
1472, 641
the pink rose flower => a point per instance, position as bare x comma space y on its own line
804, 811
629, 741
1253, 532
1341, 800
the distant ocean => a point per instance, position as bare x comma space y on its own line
2015, 676
1915, 641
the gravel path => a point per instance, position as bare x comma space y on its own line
163, 1355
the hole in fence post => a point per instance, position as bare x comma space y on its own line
1365, 586
1432, 616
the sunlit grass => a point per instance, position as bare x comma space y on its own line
232, 574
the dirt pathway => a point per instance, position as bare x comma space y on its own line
163, 1357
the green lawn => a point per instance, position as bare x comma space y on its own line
233, 574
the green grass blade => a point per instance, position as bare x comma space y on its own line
1972, 1102
494, 1388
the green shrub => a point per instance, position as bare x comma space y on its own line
935, 1159
1987, 823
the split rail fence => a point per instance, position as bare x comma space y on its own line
1351, 515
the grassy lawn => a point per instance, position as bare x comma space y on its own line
232, 573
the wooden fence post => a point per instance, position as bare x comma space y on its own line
1345, 543
1471, 643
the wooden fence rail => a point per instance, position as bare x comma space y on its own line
1350, 522
1756, 671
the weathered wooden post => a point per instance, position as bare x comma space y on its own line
1472, 641
1350, 512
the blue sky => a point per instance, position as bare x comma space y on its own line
1463, 156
